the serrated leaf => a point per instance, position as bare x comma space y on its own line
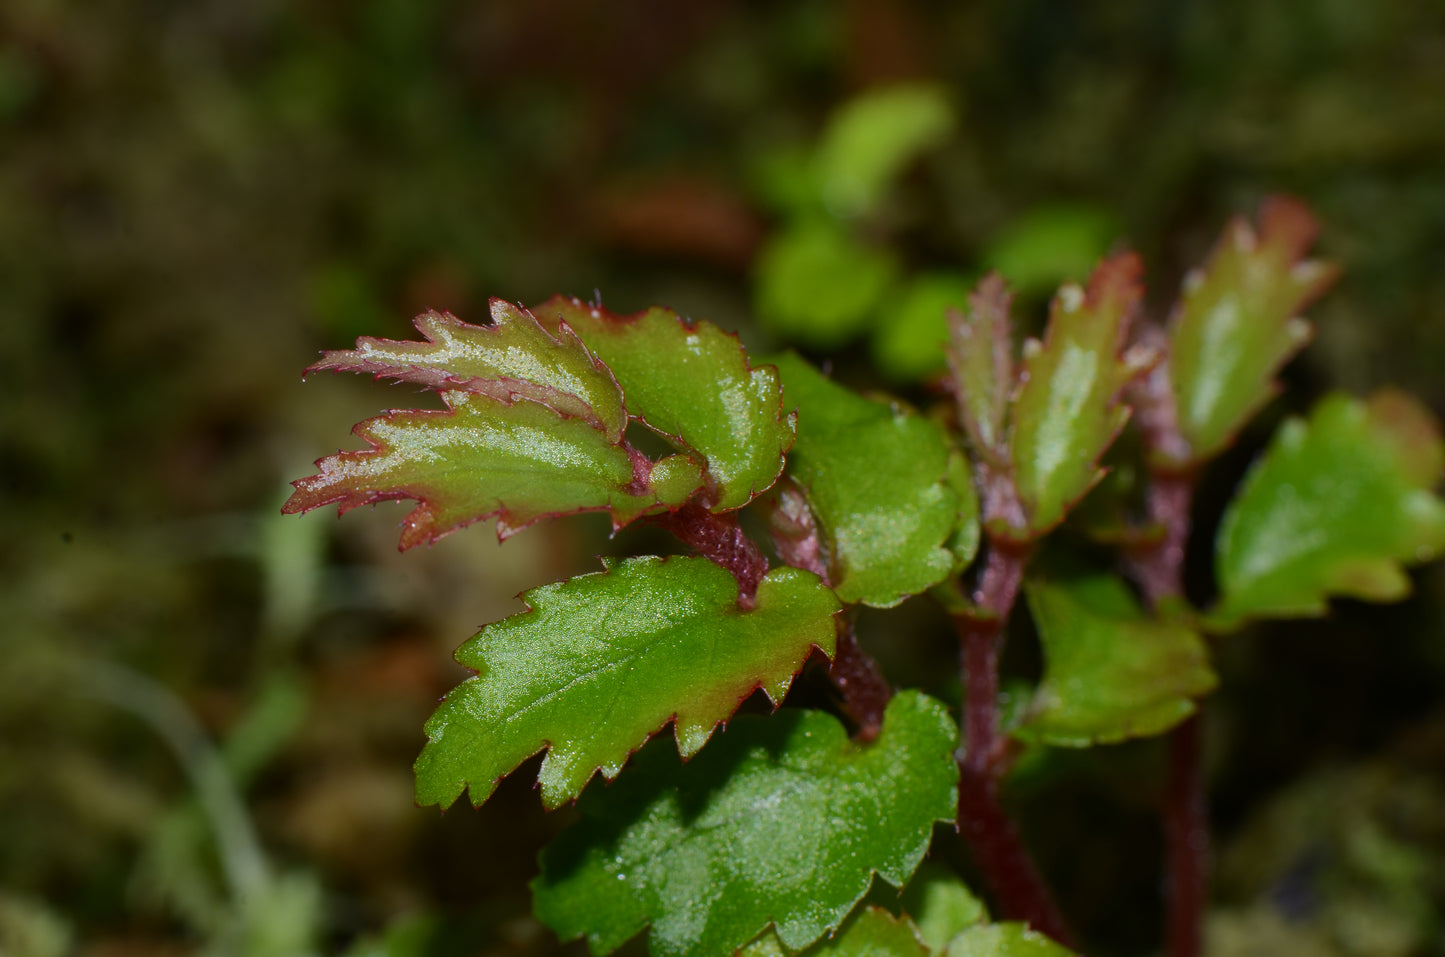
692, 383
818, 286
868, 932
1335, 506
1111, 671
1004, 940
483, 458
980, 357
1066, 412
781, 821
513, 357
601, 662
912, 327
872, 138
1238, 323
877, 477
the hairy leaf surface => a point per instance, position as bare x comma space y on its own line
513, 357
691, 382
1110, 671
482, 457
1336, 505
1238, 322
877, 477
603, 661
1066, 412
781, 821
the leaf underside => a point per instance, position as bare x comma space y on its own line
692, 383
1238, 323
1337, 505
782, 821
1066, 412
980, 359
1111, 672
483, 457
877, 478
603, 661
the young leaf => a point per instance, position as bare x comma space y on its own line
1238, 323
980, 357
1066, 412
513, 357
941, 905
1004, 940
483, 457
1335, 506
908, 338
782, 821
600, 663
868, 932
873, 137
1111, 672
818, 286
692, 383
878, 479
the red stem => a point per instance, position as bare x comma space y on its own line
719, 538
856, 675
1186, 834
991, 835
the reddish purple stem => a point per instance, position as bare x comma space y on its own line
856, 675
719, 538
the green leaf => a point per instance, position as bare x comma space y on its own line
819, 287
1238, 323
980, 357
941, 905
1004, 940
1335, 506
913, 326
1051, 245
600, 663
1067, 411
877, 477
692, 383
873, 137
513, 357
868, 932
481, 457
782, 821
1111, 672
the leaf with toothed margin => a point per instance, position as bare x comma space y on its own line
513, 357
981, 366
601, 662
1111, 671
869, 931
880, 480
782, 821
481, 457
692, 383
1335, 506
1238, 322
1066, 412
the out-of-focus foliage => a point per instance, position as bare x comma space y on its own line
196, 198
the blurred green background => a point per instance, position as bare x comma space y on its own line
208, 712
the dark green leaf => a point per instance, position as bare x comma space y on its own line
483, 457
692, 383
601, 662
781, 821
877, 477
1110, 671
1334, 507
1238, 322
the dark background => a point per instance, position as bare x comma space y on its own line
195, 197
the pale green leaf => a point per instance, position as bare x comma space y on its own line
1004, 940
818, 286
781, 821
483, 457
912, 326
1336, 506
692, 383
873, 137
601, 662
868, 932
878, 478
1238, 322
1067, 411
980, 358
941, 905
1051, 245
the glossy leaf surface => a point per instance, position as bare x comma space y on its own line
1111, 672
1004, 940
868, 932
1066, 412
780, 821
1336, 505
818, 286
1238, 322
513, 357
877, 478
691, 382
601, 662
482, 458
